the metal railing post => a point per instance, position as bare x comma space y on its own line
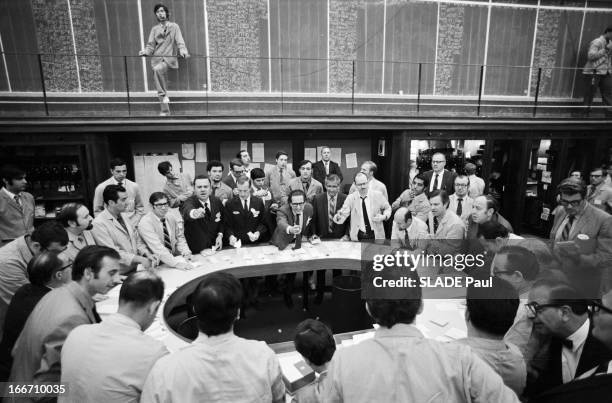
127, 85
42, 83
353, 91
207, 85
281, 87
419, 88
537, 92
480, 90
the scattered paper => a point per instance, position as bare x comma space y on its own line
189, 168
310, 154
439, 322
187, 150
423, 329
351, 160
347, 343
258, 152
244, 145
358, 338
201, 153
238, 244
336, 155
455, 333
446, 306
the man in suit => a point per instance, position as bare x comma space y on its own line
369, 168
134, 203
367, 208
245, 158
38, 348
113, 228
484, 209
277, 178
446, 229
178, 186
46, 271
16, 205
14, 258
259, 189
293, 224
414, 199
163, 235
78, 225
306, 182
460, 202
203, 215
558, 311
410, 231
477, 184
581, 231
599, 194
439, 178
325, 166
219, 189
236, 171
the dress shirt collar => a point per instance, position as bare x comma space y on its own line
487, 344
248, 201
398, 330
215, 340
205, 203
579, 336
115, 182
329, 198
8, 192
306, 180
123, 320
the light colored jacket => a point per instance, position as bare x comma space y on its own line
135, 208
108, 232
352, 207
598, 57
152, 233
448, 239
314, 188
15, 221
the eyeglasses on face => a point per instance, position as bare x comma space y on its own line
596, 306
297, 204
573, 203
161, 205
536, 308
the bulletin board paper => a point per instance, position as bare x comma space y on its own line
187, 150
258, 152
201, 153
189, 168
310, 154
336, 155
351, 160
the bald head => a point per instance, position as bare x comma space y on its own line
438, 162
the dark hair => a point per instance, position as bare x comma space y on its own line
608, 29
522, 260
140, 288
202, 177
163, 167
43, 266
216, 303
296, 192
68, 213
304, 162
111, 193
315, 341
234, 162
492, 309
116, 162
49, 232
492, 203
470, 168
239, 155
388, 312
462, 177
242, 180
91, 257
11, 172
257, 173
333, 178
563, 294
214, 163
281, 152
491, 230
443, 194
419, 177
155, 196
572, 186
158, 6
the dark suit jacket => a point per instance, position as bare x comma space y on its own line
594, 389
593, 354
21, 306
229, 181
318, 171
448, 181
238, 222
15, 221
321, 217
202, 232
284, 219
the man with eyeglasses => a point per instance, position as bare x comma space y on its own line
439, 178
598, 193
558, 311
581, 232
236, 171
460, 202
595, 385
369, 168
163, 235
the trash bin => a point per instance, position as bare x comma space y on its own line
349, 312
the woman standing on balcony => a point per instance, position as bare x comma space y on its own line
163, 42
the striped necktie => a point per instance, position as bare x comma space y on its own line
567, 228
331, 212
167, 241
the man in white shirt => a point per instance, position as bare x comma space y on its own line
400, 365
218, 366
109, 361
460, 202
135, 204
78, 225
410, 230
245, 158
477, 184
163, 235
369, 168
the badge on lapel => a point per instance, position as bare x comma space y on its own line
218, 216
235, 212
255, 213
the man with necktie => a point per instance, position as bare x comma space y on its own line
439, 178
446, 229
325, 166
203, 216
277, 178
163, 235
460, 202
219, 189
135, 205
306, 182
16, 205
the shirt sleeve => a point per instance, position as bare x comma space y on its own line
276, 379
484, 384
